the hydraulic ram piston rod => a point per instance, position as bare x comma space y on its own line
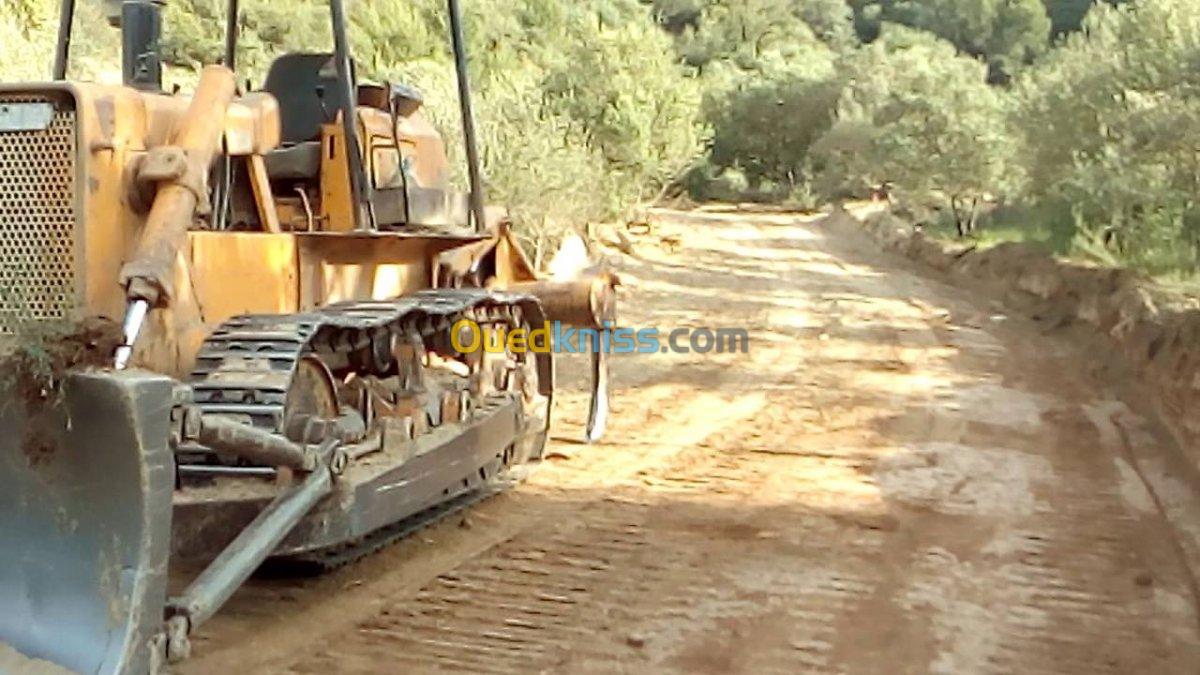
253, 445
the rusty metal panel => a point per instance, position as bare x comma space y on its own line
38, 248
244, 273
375, 266
370, 281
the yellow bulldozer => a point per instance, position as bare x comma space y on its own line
261, 290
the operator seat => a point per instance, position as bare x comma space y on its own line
309, 94
308, 91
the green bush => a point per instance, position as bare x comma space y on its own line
1109, 123
788, 116
625, 87
919, 116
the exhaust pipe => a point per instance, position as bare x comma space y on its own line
141, 54
141, 30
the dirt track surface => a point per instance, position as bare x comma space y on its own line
899, 477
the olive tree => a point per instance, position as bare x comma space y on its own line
919, 116
1109, 123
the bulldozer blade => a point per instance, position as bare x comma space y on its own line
86, 480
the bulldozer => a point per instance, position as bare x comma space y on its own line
272, 286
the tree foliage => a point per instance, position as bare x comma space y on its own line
1006, 34
758, 35
622, 84
916, 114
1066, 16
788, 111
1083, 107
22, 32
1109, 124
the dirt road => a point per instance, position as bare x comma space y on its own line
899, 477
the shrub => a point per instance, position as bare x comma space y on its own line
918, 116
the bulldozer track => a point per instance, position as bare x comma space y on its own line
328, 560
246, 366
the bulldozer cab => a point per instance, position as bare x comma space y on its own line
405, 176
321, 151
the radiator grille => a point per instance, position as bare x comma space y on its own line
37, 221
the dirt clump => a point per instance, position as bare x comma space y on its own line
35, 367
40, 358
37, 441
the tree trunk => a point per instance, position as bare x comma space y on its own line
973, 218
959, 224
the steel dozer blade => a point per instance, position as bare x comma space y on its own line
85, 523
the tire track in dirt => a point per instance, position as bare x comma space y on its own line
574, 598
